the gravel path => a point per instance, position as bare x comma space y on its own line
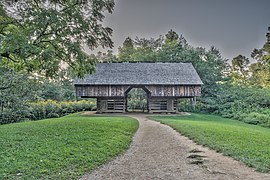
159, 152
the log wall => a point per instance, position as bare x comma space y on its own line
155, 90
174, 90
111, 105
101, 91
163, 105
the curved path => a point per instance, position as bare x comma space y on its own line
159, 152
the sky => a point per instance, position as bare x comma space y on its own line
233, 26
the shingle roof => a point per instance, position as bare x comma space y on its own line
142, 74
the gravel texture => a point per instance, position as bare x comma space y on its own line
159, 152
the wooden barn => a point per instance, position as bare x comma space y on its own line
164, 84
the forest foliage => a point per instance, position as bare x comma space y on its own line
42, 48
48, 37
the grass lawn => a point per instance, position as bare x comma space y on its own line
62, 148
247, 143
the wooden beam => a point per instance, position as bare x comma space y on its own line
177, 105
193, 102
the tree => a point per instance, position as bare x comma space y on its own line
139, 50
261, 69
16, 89
171, 36
240, 72
61, 90
106, 57
125, 52
45, 36
146, 49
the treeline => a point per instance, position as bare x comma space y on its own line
245, 95
235, 89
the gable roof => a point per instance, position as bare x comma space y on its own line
142, 74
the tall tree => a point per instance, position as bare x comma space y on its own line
44, 36
261, 69
106, 56
126, 51
16, 89
171, 36
240, 72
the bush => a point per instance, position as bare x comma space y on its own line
46, 109
7, 117
53, 115
250, 105
257, 118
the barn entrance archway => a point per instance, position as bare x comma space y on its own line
137, 99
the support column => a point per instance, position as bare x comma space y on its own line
170, 105
193, 102
147, 103
149, 107
177, 105
98, 105
126, 104
103, 106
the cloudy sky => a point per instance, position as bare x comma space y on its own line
233, 26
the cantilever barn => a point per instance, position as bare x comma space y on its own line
164, 83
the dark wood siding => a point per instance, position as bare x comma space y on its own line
174, 90
155, 90
110, 104
101, 91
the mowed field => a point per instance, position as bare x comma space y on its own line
62, 148
244, 142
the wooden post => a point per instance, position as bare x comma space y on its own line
170, 105
193, 102
126, 104
103, 106
177, 105
147, 102
98, 105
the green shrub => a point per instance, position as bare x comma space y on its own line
46, 109
251, 121
7, 117
257, 118
94, 108
53, 115
250, 105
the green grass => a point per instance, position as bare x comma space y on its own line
244, 142
62, 148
